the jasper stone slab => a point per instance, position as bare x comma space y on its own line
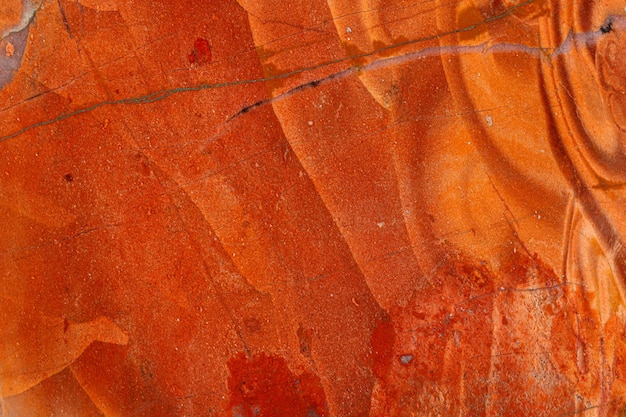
312, 208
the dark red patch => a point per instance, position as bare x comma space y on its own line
525, 270
265, 387
383, 341
201, 53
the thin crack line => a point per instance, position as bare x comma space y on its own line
163, 94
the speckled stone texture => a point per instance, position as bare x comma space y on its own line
268, 208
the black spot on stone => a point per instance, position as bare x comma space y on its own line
607, 26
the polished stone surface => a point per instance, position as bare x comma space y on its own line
312, 208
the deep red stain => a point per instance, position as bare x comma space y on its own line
263, 386
201, 53
383, 341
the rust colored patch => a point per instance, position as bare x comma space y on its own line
265, 387
471, 23
201, 53
524, 269
356, 55
383, 341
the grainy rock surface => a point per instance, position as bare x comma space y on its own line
312, 208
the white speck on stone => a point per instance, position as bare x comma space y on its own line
348, 29
381, 224
406, 359
489, 121
310, 122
